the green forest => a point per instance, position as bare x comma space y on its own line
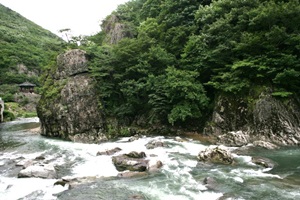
177, 56
25, 49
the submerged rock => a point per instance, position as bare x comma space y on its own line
216, 155
109, 152
130, 174
210, 183
154, 144
264, 162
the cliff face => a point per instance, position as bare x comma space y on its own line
238, 121
115, 30
72, 112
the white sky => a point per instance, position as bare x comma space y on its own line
83, 17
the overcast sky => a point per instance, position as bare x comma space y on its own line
81, 16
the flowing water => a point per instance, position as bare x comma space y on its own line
180, 178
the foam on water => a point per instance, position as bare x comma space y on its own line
14, 188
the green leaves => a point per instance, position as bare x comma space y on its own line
186, 51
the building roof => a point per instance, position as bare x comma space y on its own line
27, 84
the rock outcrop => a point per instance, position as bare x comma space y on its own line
68, 107
238, 121
115, 30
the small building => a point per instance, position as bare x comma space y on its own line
27, 87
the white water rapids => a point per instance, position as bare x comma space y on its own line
180, 178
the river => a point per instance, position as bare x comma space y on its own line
180, 178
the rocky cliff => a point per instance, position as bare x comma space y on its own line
115, 30
68, 107
240, 120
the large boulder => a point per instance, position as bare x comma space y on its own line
216, 155
109, 152
68, 107
132, 161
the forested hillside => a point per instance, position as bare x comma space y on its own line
165, 61
25, 48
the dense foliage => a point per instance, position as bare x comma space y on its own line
25, 48
181, 53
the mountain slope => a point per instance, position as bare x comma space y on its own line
25, 48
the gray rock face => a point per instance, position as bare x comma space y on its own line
74, 114
115, 30
238, 121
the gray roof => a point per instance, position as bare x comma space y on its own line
27, 84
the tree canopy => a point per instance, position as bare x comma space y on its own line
184, 52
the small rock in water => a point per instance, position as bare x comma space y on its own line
24, 163
179, 139
216, 155
154, 144
135, 154
210, 183
41, 157
264, 162
155, 167
133, 138
109, 152
130, 174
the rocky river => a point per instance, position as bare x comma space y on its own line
35, 167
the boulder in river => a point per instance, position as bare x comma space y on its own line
216, 155
154, 144
109, 152
131, 163
131, 174
264, 162
38, 171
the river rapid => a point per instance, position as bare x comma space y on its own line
181, 177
